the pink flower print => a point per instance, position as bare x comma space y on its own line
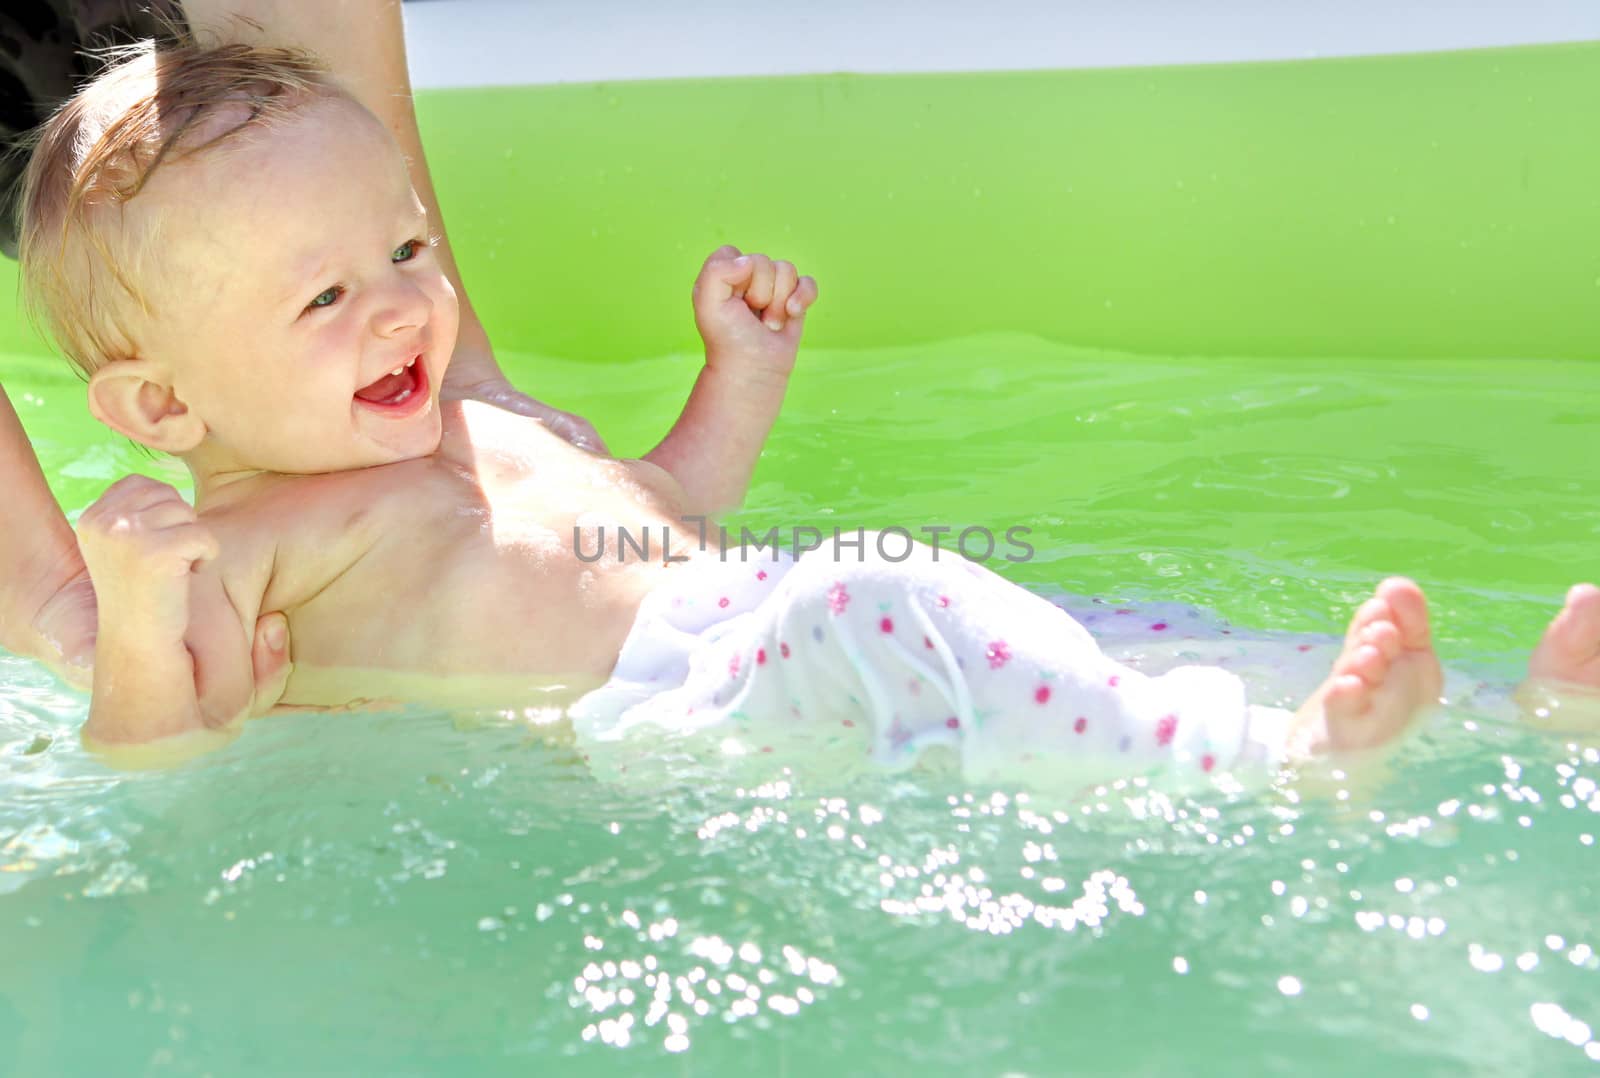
761, 656
998, 654
733, 665
1207, 762
927, 643
886, 626
1165, 729
953, 723
1080, 725
1113, 681
722, 602
944, 601
761, 574
838, 598
1159, 626
1041, 695
783, 649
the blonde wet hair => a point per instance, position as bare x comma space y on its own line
82, 256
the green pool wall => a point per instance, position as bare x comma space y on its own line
1430, 205
1426, 205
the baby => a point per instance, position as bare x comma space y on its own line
229, 247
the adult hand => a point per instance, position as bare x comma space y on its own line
63, 629
474, 375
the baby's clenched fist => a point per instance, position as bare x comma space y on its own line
750, 309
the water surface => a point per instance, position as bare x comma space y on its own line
415, 892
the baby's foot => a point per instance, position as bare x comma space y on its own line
1384, 678
1569, 652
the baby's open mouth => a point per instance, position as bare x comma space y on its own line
397, 389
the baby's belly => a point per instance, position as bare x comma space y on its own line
562, 620
511, 630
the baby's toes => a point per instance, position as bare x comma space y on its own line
1582, 611
1409, 611
1368, 663
1384, 636
1570, 647
1374, 609
1345, 695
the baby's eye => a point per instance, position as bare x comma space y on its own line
327, 298
406, 251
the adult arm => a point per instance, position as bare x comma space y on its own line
47, 608
363, 43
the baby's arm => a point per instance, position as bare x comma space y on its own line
750, 311
172, 657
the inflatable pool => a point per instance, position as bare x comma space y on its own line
1238, 311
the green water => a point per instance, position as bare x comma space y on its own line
424, 893
418, 893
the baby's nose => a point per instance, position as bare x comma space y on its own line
405, 307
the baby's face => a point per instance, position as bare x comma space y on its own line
300, 309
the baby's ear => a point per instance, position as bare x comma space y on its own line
133, 397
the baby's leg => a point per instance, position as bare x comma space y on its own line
1384, 678
937, 652
849, 657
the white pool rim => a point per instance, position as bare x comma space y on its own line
468, 43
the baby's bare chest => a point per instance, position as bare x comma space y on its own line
434, 570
